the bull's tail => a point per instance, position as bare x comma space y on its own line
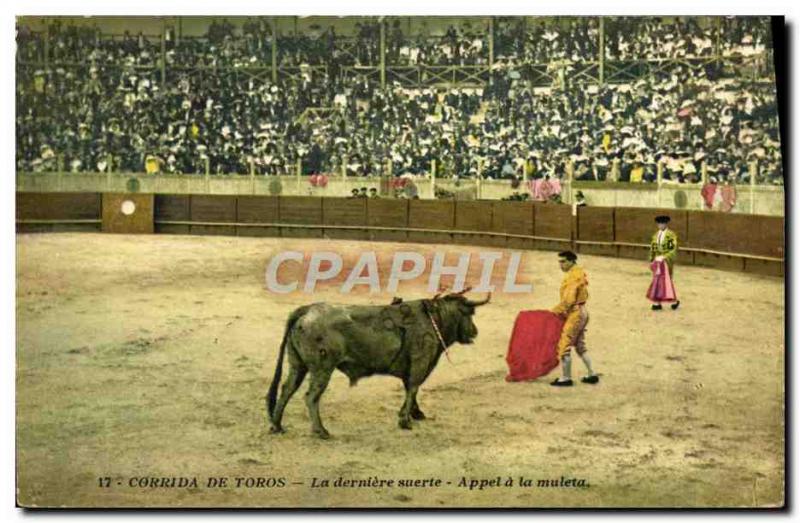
276, 379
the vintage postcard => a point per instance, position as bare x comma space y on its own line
400, 262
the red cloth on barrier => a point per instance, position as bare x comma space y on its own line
532, 349
708, 192
661, 288
318, 180
728, 194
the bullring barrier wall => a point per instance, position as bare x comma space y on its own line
749, 243
750, 199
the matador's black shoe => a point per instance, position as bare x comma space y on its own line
591, 379
559, 383
675, 305
656, 307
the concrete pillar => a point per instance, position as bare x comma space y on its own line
753, 168
383, 54
479, 179
614, 170
163, 52
299, 170
659, 180
46, 44
601, 51
491, 42
703, 173
433, 178
252, 176
274, 50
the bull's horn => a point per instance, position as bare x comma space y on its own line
482, 302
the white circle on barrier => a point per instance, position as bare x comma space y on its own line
128, 207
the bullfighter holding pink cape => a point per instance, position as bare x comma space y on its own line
541, 339
663, 248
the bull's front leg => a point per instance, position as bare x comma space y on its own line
416, 412
408, 406
423, 355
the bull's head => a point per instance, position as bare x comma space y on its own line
456, 316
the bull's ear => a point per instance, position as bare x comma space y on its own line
433, 305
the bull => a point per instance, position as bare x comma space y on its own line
404, 339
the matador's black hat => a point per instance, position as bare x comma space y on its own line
662, 219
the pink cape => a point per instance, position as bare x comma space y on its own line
542, 189
728, 193
707, 192
661, 289
532, 349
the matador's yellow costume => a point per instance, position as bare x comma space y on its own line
664, 243
574, 293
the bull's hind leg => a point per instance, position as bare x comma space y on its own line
319, 382
297, 372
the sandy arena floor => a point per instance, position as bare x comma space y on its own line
149, 356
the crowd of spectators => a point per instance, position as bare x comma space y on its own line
656, 38
71, 44
538, 40
114, 112
547, 40
576, 39
462, 45
682, 121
